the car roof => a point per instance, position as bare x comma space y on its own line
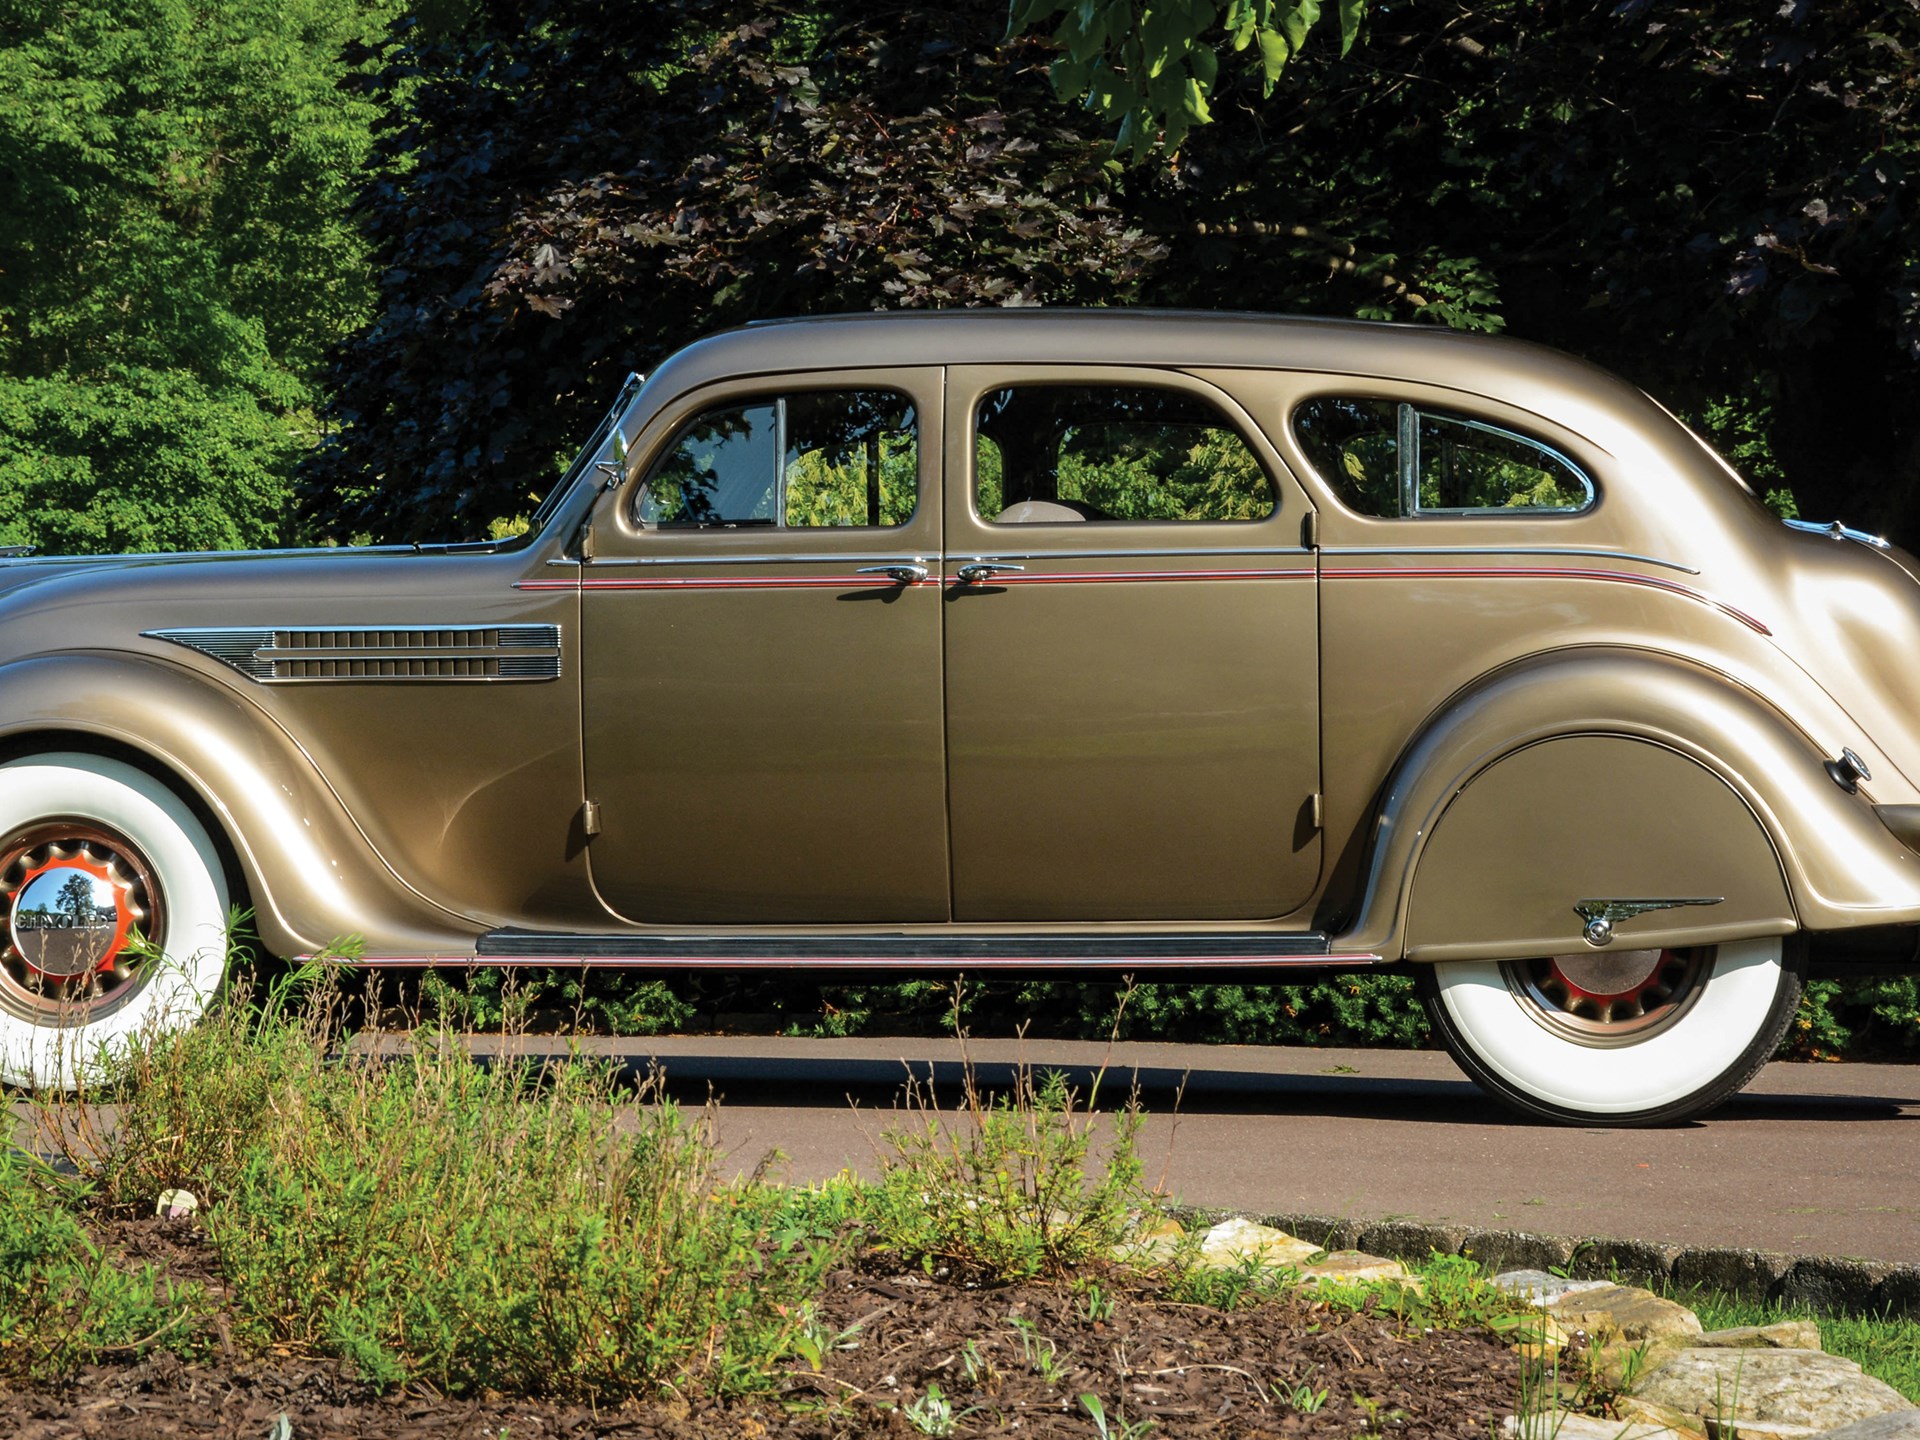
1520, 372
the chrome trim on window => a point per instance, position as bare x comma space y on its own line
337, 654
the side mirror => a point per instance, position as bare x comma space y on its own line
615, 469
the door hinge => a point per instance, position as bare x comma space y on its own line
1313, 809
590, 818
1310, 530
586, 541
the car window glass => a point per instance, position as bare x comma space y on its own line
1064, 453
811, 458
1395, 459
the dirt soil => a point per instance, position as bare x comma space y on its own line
1013, 1359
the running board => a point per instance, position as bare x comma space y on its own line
1030, 951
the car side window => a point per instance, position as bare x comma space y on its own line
809, 458
1064, 453
1393, 459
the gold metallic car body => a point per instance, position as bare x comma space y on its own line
1321, 737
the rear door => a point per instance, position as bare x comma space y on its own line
1132, 663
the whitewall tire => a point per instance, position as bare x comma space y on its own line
1639, 1038
115, 916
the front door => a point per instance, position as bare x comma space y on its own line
761, 690
1132, 652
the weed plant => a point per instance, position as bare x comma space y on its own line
1011, 1186
183, 1108
427, 1215
62, 1304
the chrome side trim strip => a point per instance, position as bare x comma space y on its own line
358, 654
878, 558
1505, 550
1004, 554
727, 582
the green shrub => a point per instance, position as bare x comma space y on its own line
1008, 1187
187, 1107
491, 1226
62, 1303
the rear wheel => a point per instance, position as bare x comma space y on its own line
1630, 1037
115, 911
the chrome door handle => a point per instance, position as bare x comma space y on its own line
976, 571
899, 574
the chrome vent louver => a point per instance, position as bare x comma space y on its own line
379, 653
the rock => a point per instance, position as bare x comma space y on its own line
1764, 1394
1893, 1425
1629, 1331
1541, 1288
1156, 1244
1353, 1267
175, 1203
1538, 1337
1566, 1425
1639, 1412
1234, 1242
1781, 1335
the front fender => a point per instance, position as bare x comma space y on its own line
1839, 865
311, 874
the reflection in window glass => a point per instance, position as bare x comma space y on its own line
1107, 452
813, 458
1394, 459
1469, 466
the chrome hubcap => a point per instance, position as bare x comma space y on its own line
1610, 998
78, 899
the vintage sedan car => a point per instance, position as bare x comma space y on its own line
1080, 642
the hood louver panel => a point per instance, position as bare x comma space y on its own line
385, 653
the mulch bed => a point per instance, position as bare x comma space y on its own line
1033, 1351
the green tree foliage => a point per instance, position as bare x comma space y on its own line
571, 195
1710, 198
176, 255
1714, 199
1147, 67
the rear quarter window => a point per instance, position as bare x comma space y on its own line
1395, 459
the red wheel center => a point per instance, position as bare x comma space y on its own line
1622, 975
70, 917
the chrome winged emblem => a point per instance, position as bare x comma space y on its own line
1601, 915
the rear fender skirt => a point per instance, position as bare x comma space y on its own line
1843, 867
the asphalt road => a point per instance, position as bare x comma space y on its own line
1811, 1159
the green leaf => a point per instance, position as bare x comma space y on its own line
1273, 56
1023, 15
1195, 101
1297, 20
1350, 13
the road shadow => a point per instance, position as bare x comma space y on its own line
883, 1085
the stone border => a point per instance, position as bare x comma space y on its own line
1825, 1285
